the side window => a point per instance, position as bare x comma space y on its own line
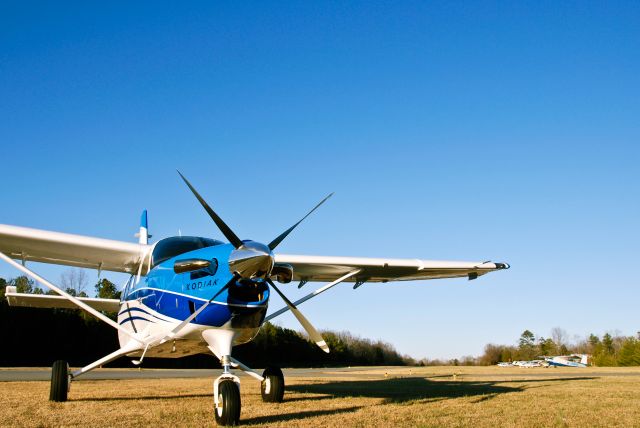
211, 270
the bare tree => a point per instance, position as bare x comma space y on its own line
559, 336
74, 281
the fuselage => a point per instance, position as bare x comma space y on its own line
163, 298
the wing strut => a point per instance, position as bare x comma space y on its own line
69, 297
127, 349
314, 294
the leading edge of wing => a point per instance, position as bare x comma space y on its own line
323, 268
27, 244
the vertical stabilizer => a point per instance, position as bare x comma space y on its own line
143, 234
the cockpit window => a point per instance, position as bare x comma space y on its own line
171, 247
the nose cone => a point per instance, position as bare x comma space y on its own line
251, 260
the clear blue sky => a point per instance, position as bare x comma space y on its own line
464, 131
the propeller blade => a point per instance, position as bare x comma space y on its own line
226, 230
273, 244
313, 333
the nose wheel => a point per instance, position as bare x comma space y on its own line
227, 411
272, 388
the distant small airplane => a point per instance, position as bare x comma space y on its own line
573, 360
188, 295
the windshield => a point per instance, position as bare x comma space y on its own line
171, 247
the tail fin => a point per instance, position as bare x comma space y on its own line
143, 235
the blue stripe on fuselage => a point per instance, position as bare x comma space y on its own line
178, 307
177, 296
135, 318
136, 309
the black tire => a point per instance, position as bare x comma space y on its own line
228, 411
272, 388
59, 381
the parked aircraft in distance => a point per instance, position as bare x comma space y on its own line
573, 360
188, 295
525, 364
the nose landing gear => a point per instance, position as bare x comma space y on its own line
226, 393
226, 390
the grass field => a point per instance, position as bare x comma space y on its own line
429, 396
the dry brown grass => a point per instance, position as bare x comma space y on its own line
430, 396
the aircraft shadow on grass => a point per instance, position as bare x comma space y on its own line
298, 415
402, 390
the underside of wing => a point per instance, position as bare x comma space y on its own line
320, 268
27, 244
48, 301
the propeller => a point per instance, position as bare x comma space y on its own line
273, 244
253, 260
226, 230
314, 335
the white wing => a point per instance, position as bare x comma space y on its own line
320, 268
48, 301
27, 244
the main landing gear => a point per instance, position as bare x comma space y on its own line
59, 381
226, 388
272, 388
61, 376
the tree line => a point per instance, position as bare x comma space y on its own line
608, 350
37, 337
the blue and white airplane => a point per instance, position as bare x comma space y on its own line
188, 295
573, 360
